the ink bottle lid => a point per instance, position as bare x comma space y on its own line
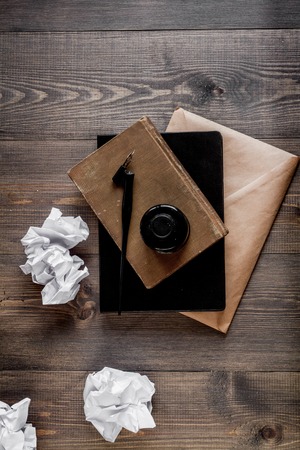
164, 228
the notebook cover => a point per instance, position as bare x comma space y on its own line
200, 284
159, 178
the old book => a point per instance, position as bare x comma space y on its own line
200, 284
159, 178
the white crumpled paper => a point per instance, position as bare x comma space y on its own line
114, 399
49, 260
15, 433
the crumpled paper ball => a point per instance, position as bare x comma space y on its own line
114, 399
15, 433
49, 260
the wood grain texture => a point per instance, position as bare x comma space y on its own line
69, 15
71, 70
265, 328
34, 178
208, 410
75, 85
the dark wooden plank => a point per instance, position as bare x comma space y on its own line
276, 274
67, 15
41, 162
75, 85
15, 222
265, 329
214, 410
34, 178
48, 161
23, 206
15, 285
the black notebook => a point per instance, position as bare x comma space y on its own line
200, 284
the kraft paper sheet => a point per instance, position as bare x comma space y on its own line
256, 177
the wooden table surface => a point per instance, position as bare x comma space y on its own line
71, 69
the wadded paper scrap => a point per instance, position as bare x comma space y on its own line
15, 433
114, 399
49, 260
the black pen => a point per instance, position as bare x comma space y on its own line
124, 178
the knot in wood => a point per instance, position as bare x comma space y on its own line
87, 311
269, 433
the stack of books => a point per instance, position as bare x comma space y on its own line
184, 170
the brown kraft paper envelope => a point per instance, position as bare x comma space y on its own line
256, 177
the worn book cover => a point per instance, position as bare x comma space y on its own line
200, 284
159, 178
